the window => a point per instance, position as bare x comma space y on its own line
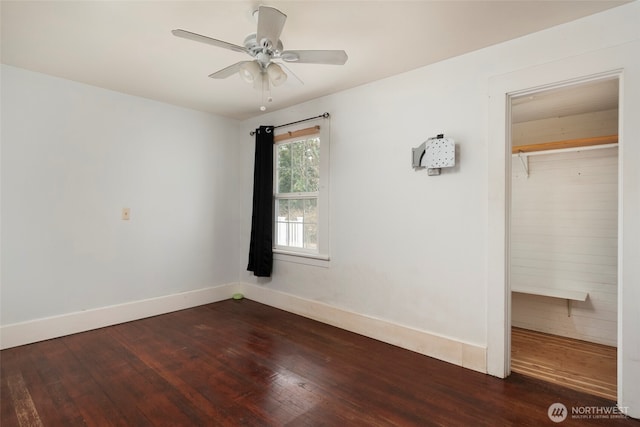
300, 187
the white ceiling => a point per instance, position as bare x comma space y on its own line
589, 97
127, 46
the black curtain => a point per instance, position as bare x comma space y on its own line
261, 245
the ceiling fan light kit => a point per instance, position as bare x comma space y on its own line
265, 47
276, 75
250, 71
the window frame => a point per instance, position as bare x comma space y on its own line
320, 257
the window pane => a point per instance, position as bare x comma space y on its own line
281, 231
283, 184
282, 209
311, 211
312, 164
310, 236
296, 209
297, 171
298, 168
297, 223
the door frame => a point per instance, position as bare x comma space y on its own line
614, 62
503, 221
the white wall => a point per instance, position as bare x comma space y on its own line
564, 235
416, 250
405, 248
395, 233
72, 157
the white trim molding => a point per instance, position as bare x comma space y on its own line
22, 333
448, 349
440, 347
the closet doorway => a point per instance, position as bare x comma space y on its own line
564, 236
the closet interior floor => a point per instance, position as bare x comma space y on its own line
576, 364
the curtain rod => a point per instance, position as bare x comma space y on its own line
324, 115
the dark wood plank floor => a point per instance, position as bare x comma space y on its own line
243, 363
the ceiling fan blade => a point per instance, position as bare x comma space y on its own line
270, 24
228, 71
208, 40
334, 57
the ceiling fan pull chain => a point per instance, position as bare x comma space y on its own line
266, 92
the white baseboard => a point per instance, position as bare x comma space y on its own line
16, 334
443, 348
439, 347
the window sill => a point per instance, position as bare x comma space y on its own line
316, 260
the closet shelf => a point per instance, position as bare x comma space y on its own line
568, 143
569, 295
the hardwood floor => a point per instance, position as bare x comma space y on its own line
243, 363
576, 364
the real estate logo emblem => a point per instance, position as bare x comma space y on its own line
557, 412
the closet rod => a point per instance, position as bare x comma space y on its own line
324, 116
564, 150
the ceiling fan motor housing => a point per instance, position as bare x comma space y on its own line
263, 54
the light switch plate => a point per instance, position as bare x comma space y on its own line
126, 214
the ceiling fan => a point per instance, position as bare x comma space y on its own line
265, 46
